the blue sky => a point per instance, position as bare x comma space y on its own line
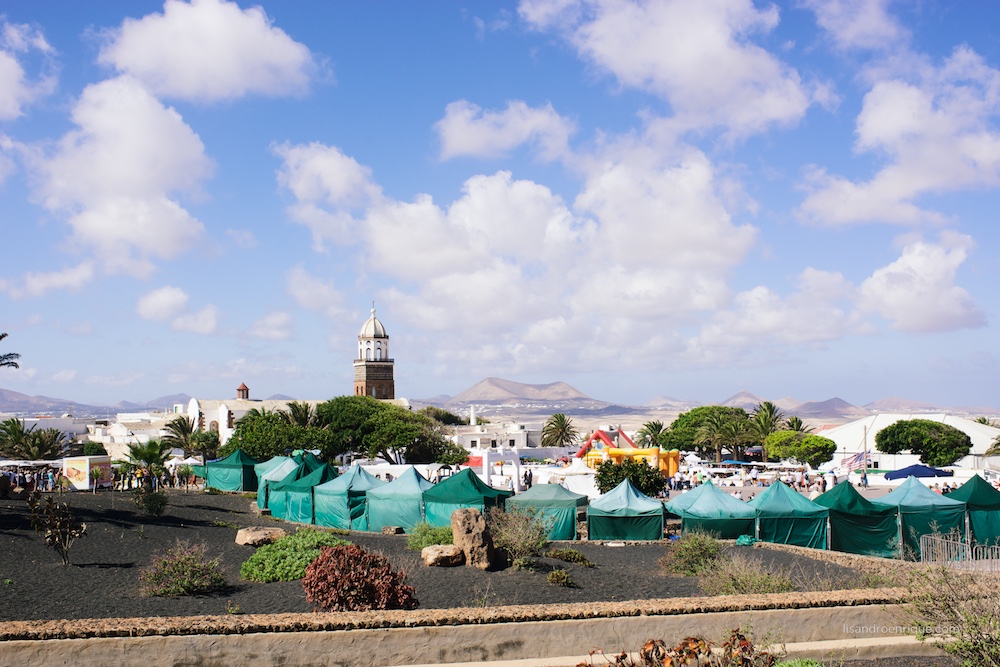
682, 199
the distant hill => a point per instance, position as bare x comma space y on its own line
12, 402
833, 408
896, 404
495, 390
669, 403
744, 400
279, 397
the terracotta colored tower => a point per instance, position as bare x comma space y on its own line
373, 369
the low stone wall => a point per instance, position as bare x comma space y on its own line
453, 635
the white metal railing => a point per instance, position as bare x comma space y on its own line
955, 553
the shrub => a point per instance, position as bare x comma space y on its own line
520, 534
560, 578
286, 559
212, 491
425, 535
55, 521
691, 554
738, 575
643, 476
183, 570
149, 502
348, 578
568, 556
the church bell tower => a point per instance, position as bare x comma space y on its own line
373, 369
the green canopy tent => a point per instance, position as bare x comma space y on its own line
922, 512
398, 503
858, 526
623, 513
785, 516
340, 503
708, 509
553, 504
233, 473
983, 503
291, 499
461, 490
273, 475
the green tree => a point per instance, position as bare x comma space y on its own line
150, 456
180, 433
13, 435
46, 444
803, 447
8, 359
349, 420
263, 434
985, 421
737, 435
644, 477
765, 420
206, 443
300, 414
935, 443
443, 416
94, 449
559, 431
711, 434
652, 434
683, 431
994, 449
794, 423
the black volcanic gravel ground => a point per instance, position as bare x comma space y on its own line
102, 580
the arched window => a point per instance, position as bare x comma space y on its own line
378, 354
214, 427
368, 354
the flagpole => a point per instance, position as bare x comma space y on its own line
866, 451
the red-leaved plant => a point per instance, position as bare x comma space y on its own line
348, 578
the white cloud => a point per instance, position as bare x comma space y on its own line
16, 89
467, 129
917, 292
273, 326
698, 56
209, 50
938, 134
314, 294
115, 380
39, 284
64, 376
162, 304
858, 24
115, 175
204, 321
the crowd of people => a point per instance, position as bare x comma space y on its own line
32, 479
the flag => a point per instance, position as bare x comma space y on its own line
857, 461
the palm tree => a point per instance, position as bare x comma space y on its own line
300, 414
558, 431
994, 449
10, 358
737, 435
710, 434
987, 422
766, 419
13, 436
651, 434
796, 424
150, 456
180, 433
45, 445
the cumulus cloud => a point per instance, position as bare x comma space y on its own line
314, 294
17, 89
273, 326
938, 134
162, 304
114, 177
467, 129
209, 50
858, 24
698, 56
917, 292
204, 321
39, 284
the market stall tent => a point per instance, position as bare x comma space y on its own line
291, 499
983, 504
461, 490
233, 473
340, 503
554, 505
785, 516
858, 526
624, 513
917, 470
922, 512
398, 503
273, 475
708, 509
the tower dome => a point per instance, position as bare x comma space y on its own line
373, 328
373, 368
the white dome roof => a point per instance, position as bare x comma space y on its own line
373, 328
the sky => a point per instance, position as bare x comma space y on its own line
678, 199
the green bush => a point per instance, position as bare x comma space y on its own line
738, 575
560, 578
568, 556
56, 522
183, 570
644, 477
349, 578
519, 534
691, 554
287, 558
425, 535
212, 491
149, 502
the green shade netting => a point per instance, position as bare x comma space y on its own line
291, 499
983, 503
276, 474
553, 504
398, 503
340, 503
461, 490
922, 512
785, 516
233, 473
623, 513
708, 509
858, 526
